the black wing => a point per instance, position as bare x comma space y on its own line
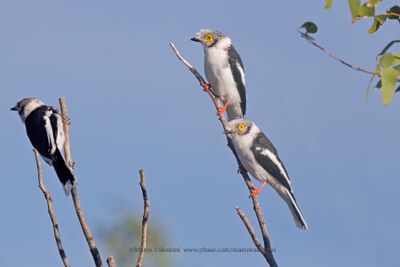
267, 156
36, 130
235, 62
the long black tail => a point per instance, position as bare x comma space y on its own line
63, 172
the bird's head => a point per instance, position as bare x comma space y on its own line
241, 127
212, 38
25, 106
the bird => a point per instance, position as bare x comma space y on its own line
224, 71
45, 131
259, 157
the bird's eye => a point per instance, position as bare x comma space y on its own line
241, 127
209, 38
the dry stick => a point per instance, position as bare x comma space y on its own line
50, 210
312, 41
67, 153
249, 228
111, 261
267, 250
145, 219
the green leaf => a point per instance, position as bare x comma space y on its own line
386, 60
310, 27
389, 78
366, 11
372, 3
354, 5
328, 4
396, 55
394, 12
397, 67
378, 21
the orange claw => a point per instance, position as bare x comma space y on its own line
255, 191
222, 110
206, 86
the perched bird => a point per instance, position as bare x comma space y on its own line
259, 157
45, 131
224, 71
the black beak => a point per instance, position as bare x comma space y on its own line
14, 108
229, 132
195, 39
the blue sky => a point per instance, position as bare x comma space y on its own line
133, 105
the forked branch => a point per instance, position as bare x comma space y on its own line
81, 216
50, 210
266, 251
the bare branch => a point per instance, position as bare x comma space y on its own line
267, 251
145, 219
81, 216
312, 41
111, 261
65, 121
249, 228
50, 210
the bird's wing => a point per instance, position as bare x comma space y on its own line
237, 69
54, 123
267, 156
37, 129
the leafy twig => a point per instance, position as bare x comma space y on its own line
312, 41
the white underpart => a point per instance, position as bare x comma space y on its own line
218, 72
243, 145
31, 106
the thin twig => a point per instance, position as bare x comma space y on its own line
249, 228
111, 261
81, 216
267, 251
50, 210
312, 41
145, 220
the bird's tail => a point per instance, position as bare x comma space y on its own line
63, 172
295, 210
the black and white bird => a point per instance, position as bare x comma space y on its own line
259, 157
224, 71
45, 131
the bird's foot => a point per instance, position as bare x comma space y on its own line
221, 110
255, 191
206, 86
67, 120
71, 165
241, 169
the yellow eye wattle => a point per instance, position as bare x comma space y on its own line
241, 127
209, 38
